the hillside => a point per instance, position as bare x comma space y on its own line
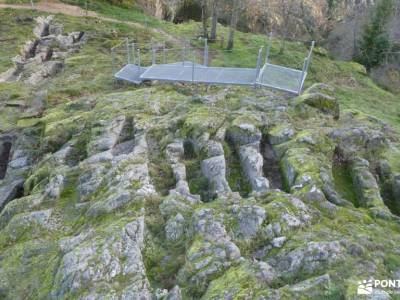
173, 191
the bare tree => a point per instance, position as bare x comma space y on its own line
285, 9
308, 19
214, 19
236, 8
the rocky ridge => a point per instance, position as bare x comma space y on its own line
42, 58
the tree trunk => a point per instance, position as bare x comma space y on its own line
214, 22
234, 20
286, 7
204, 18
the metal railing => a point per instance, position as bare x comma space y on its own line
154, 61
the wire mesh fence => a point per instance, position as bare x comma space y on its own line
191, 64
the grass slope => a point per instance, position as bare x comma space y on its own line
89, 72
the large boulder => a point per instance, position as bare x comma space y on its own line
396, 188
367, 188
320, 96
280, 133
249, 220
244, 134
175, 155
105, 134
42, 26
252, 163
175, 228
360, 140
312, 258
10, 190
214, 169
47, 70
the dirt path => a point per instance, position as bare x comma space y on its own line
76, 11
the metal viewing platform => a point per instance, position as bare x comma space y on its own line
264, 73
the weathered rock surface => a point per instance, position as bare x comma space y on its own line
211, 253
99, 193
244, 134
249, 220
9, 191
175, 155
129, 180
252, 162
320, 96
214, 169
367, 188
308, 260
101, 260
42, 58
280, 134
396, 188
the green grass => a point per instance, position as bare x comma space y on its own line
89, 72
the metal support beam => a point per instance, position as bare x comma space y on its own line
164, 54
184, 52
258, 67
303, 74
309, 57
113, 60
193, 64
128, 52
133, 53
153, 54
205, 61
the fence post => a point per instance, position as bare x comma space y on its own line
309, 57
139, 59
164, 54
205, 61
258, 64
128, 52
269, 48
153, 54
133, 53
184, 52
193, 62
112, 61
303, 73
